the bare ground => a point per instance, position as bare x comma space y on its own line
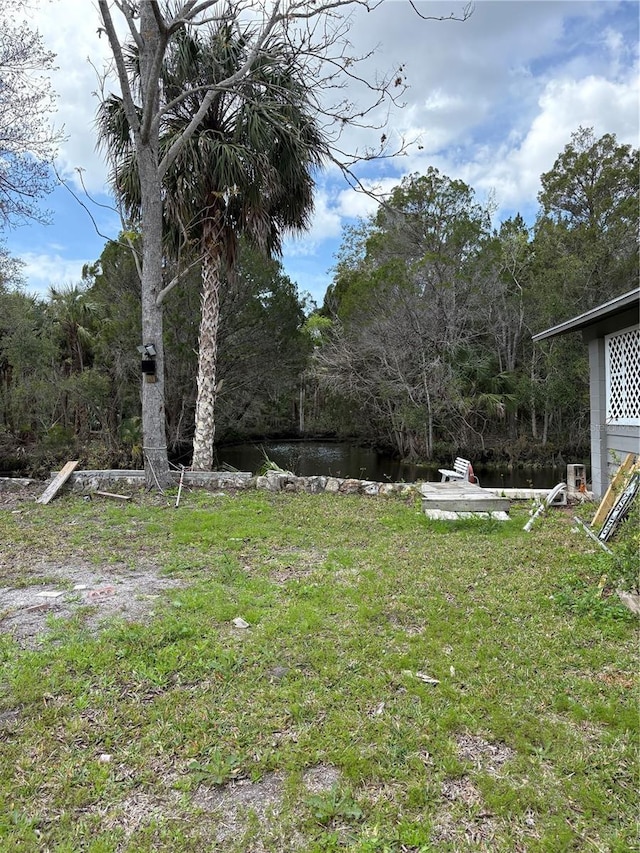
113, 591
37, 589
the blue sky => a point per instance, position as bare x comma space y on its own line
492, 101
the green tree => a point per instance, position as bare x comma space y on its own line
406, 294
247, 169
28, 369
263, 349
590, 215
585, 251
317, 34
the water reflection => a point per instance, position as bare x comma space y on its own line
342, 459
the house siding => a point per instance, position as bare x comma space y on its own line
610, 443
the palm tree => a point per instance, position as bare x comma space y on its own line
247, 171
73, 311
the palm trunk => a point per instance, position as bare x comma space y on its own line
205, 425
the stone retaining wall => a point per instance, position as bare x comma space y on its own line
275, 481
272, 481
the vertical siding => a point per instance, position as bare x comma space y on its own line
598, 406
621, 440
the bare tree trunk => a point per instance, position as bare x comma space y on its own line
156, 460
207, 361
152, 45
534, 415
301, 409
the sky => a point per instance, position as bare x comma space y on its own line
491, 101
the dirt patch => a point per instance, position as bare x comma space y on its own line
464, 821
60, 590
13, 494
484, 755
465, 832
237, 804
461, 790
233, 803
320, 779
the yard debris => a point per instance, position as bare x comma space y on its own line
629, 465
54, 487
114, 496
553, 496
50, 593
631, 600
37, 607
427, 679
621, 508
101, 591
592, 535
180, 486
104, 758
238, 622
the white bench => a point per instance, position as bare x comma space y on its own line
462, 470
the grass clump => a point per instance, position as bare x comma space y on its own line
402, 684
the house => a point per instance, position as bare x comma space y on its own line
613, 335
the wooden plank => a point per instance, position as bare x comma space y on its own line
113, 495
54, 487
624, 471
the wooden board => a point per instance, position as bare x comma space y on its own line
113, 495
617, 484
54, 487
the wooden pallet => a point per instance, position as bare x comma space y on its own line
458, 496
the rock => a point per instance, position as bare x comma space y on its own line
369, 487
239, 622
275, 480
630, 600
333, 484
316, 484
350, 487
279, 672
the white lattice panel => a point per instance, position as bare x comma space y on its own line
623, 377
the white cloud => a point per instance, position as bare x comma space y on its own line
70, 30
326, 224
493, 101
42, 270
564, 105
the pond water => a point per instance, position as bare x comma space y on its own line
342, 459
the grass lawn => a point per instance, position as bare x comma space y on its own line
402, 685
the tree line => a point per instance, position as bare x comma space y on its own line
422, 346
429, 319
221, 121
